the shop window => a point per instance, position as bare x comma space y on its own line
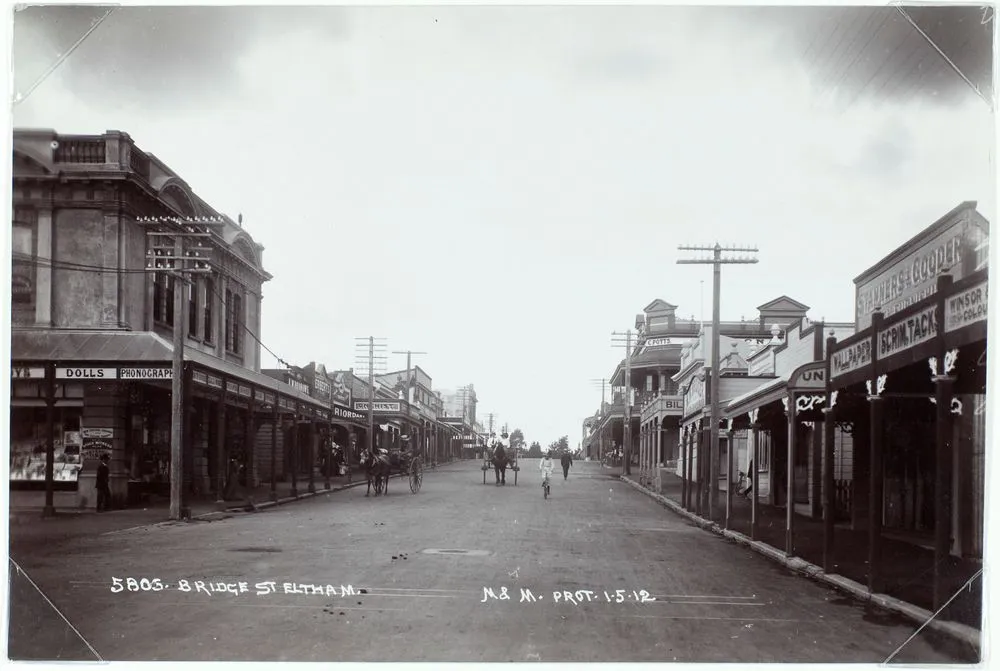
24, 258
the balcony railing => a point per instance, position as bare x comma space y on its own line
114, 150
81, 150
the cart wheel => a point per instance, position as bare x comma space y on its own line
416, 477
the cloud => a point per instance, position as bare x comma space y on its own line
875, 53
174, 56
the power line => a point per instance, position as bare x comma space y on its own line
18, 99
86, 268
944, 56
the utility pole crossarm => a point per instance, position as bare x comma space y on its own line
717, 260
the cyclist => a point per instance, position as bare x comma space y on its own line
546, 466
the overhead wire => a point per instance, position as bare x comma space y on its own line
41, 262
20, 98
844, 71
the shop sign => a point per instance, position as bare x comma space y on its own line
380, 406
910, 332
341, 412
22, 373
853, 357
295, 384
96, 442
215, 381
341, 390
245, 391
808, 376
966, 308
695, 396
86, 373
199, 377
914, 278
147, 374
232, 388
321, 388
672, 405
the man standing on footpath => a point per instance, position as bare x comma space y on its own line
567, 461
103, 488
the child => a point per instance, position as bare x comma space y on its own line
546, 466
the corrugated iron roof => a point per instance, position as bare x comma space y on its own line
127, 346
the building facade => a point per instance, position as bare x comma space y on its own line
92, 326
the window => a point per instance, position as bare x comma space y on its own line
229, 320
208, 298
163, 298
234, 322
23, 250
192, 292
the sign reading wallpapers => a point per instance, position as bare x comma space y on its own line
851, 358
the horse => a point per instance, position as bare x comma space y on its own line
377, 469
500, 460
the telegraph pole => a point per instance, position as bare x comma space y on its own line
627, 428
179, 263
373, 358
716, 261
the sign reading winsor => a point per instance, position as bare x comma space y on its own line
966, 308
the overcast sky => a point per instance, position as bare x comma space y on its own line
504, 187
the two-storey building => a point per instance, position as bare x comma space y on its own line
92, 325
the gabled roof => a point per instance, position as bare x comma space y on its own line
782, 303
659, 304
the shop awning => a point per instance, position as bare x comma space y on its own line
769, 392
133, 347
90, 346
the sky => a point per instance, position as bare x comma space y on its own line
504, 187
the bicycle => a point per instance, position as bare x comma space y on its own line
546, 486
744, 485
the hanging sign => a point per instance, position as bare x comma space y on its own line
20, 373
966, 308
808, 376
380, 406
86, 373
907, 333
854, 356
147, 373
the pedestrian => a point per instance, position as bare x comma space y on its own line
567, 461
500, 464
103, 487
749, 490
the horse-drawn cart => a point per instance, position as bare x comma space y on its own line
510, 462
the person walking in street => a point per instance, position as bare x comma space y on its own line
103, 488
567, 461
500, 464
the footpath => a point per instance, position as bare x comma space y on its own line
30, 530
903, 562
